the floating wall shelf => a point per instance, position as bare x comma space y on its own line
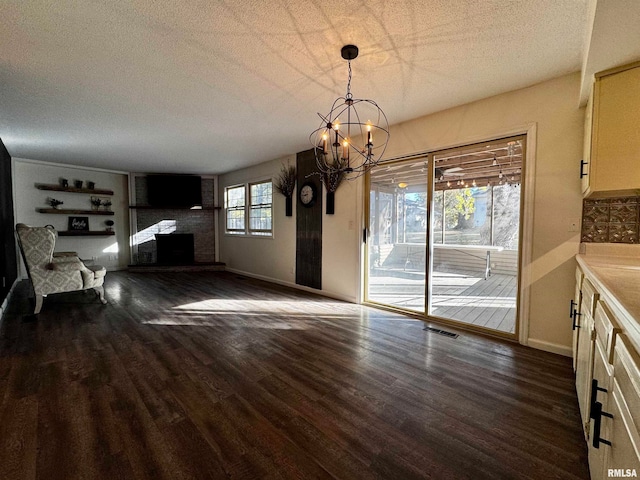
66, 211
83, 233
60, 188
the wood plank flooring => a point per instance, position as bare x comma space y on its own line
210, 375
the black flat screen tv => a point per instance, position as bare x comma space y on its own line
179, 191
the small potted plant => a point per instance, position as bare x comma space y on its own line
95, 203
107, 204
109, 224
54, 203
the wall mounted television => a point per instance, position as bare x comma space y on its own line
179, 191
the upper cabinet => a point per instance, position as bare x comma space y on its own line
612, 134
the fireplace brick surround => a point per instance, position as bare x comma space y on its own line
200, 223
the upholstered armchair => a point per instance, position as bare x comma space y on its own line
55, 273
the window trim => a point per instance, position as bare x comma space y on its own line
227, 209
248, 206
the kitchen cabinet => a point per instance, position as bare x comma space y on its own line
575, 309
601, 386
608, 361
585, 353
623, 429
612, 137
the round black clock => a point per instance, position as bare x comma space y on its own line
308, 194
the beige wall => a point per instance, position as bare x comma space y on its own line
110, 251
552, 106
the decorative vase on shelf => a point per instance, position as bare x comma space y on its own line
77, 183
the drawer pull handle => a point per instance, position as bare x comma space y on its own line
597, 424
571, 310
594, 396
575, 318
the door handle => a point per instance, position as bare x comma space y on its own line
575, 317
594, 395
597, 425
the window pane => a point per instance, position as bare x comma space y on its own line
235, 202
261, 209
506, 211
235, 219
467, 213
261, 193
438, 219
235, 197
397, 243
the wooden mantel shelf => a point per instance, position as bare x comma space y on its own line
66, 211
85, 233
60, 188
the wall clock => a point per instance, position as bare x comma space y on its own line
308, 194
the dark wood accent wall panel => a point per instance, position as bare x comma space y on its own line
8, 260
308, 226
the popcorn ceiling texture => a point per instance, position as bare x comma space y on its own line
611, 220
199, 222
215, 86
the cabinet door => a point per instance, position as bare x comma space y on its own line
584, 369
575, 313
603, 375
624, 428
616, 136
585, 174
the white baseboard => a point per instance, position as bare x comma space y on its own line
5, 303
550, 347
324, 293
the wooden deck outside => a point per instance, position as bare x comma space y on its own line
464, 297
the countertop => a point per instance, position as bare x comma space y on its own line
617, 279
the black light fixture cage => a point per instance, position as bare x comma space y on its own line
350, 119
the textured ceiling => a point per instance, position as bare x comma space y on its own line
211, 86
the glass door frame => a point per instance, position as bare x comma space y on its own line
527, 137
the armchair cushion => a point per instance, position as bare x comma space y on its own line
66, 266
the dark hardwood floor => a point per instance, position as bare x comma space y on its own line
210, 375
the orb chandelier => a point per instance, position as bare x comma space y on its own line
353, 136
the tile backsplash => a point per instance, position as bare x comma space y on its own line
611, 220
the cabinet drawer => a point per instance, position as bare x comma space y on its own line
607, 329
589, 298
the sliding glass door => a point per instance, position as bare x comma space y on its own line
444, 234
396, 268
